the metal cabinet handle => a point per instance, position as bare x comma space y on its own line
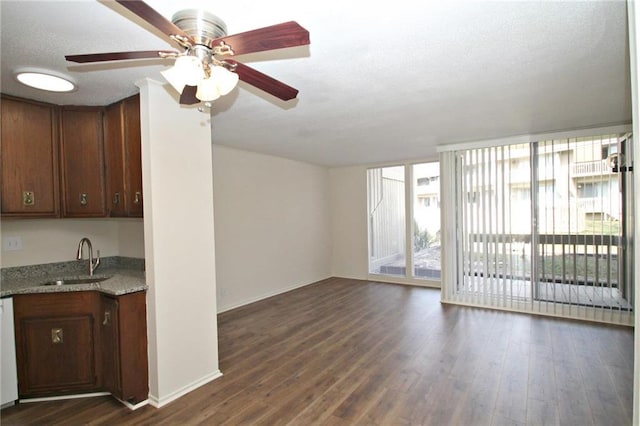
57, 335
107, 318
137, 198
84, 199
116, 198
28, 198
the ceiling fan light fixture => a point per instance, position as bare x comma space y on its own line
45, 81
175, 78
191, 69
187, 71
220, 82
208, 90
225, 79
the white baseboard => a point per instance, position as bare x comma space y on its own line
129, 405
8, 404
158, 402
133, 407
57, 398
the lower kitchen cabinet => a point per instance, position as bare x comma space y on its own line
56, 336
124, 346
77, 342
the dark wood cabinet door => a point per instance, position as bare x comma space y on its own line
109, 333
82, 164
115, 160
29, 150
134, 359
60, 356
133, 157
123, 158
56, 337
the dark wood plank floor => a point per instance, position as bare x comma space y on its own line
345, 352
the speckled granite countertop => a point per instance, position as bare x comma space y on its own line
123, 275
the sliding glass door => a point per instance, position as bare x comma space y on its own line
544, 226
579, 223
494, 216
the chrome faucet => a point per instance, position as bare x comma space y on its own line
92, 265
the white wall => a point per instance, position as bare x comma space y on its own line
348, 187
131, 238
179, 244
56, 240
272, 225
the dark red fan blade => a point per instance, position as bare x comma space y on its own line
263, 81
116, 56
188, 96
288, 34
149, 14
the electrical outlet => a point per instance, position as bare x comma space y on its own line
12, 243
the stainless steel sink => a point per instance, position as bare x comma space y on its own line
78, 280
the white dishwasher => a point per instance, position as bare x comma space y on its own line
8, 373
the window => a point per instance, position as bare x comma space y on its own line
391, 236
426, 221
387, 228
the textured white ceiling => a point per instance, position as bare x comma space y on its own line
380, 82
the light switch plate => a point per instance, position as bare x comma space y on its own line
12, 243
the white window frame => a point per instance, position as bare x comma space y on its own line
409, 277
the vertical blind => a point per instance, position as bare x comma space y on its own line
540, 227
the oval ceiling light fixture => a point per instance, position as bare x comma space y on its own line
45, 80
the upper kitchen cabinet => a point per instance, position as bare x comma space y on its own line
133, 150
29, 158
82, 162
123, 158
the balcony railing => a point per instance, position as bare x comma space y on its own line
564, 259
590, 168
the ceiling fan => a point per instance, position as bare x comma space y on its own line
204, 71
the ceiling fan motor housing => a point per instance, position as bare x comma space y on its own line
203, 26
